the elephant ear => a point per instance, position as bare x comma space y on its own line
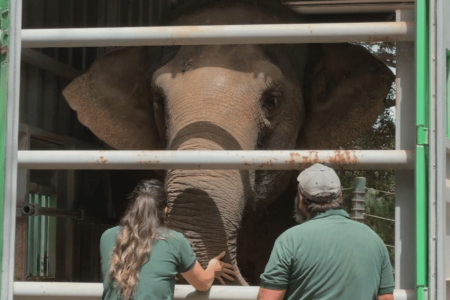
344, 93
114, 99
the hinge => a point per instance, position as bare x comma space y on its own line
424, 293
422, 135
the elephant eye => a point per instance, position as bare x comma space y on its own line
271, 101
159, 108
158, 102
271, 104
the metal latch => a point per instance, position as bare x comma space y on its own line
424, 293
422, 135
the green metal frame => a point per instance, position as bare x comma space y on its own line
4, 26
422, 123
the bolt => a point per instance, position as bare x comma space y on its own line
5, 12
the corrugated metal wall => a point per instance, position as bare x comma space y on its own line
43, 106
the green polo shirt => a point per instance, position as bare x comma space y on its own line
329, 256
168, 256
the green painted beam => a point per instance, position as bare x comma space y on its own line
421, 217
4, 26
422, 123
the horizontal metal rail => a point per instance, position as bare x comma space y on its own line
349, 6
377, 217
227, 160
49, 64
219, 35
93, 291
32, 210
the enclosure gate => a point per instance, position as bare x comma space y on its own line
421, 157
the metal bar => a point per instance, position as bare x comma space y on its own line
401, 294
49, 64
422, 147
226, 160
340, 2
440, 90
11, 18
219, 35
377, 217
93, 291
63, 140
405, 262
30, 210
434, 129
349, 9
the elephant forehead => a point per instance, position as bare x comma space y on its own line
210, 80
242, 58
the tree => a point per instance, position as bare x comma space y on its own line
380, 196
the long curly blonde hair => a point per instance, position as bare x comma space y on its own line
139, 228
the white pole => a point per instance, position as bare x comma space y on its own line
93, 291
225, 160
219, 35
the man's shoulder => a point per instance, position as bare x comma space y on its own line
310, 227
296, 231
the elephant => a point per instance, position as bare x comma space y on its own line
229, 97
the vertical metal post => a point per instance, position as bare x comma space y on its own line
405, 136
11, 21
441, 95
422, 146
432, 190
358, 199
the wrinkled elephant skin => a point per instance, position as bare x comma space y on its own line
231, 97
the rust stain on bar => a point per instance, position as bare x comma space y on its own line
343, 158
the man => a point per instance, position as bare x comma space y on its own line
329, 256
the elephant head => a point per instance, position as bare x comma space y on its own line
229, 97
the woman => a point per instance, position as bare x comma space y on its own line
140, 258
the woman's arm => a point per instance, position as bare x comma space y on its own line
202, 279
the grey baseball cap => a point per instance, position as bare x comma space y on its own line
318, 181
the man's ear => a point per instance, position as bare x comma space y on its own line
344, 92
300, 201
114, 98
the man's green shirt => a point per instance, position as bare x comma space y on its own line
168, 256
331, 257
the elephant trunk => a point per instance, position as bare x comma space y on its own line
206, 206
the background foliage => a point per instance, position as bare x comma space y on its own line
380, 192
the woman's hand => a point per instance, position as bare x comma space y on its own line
203, 279
221, 269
